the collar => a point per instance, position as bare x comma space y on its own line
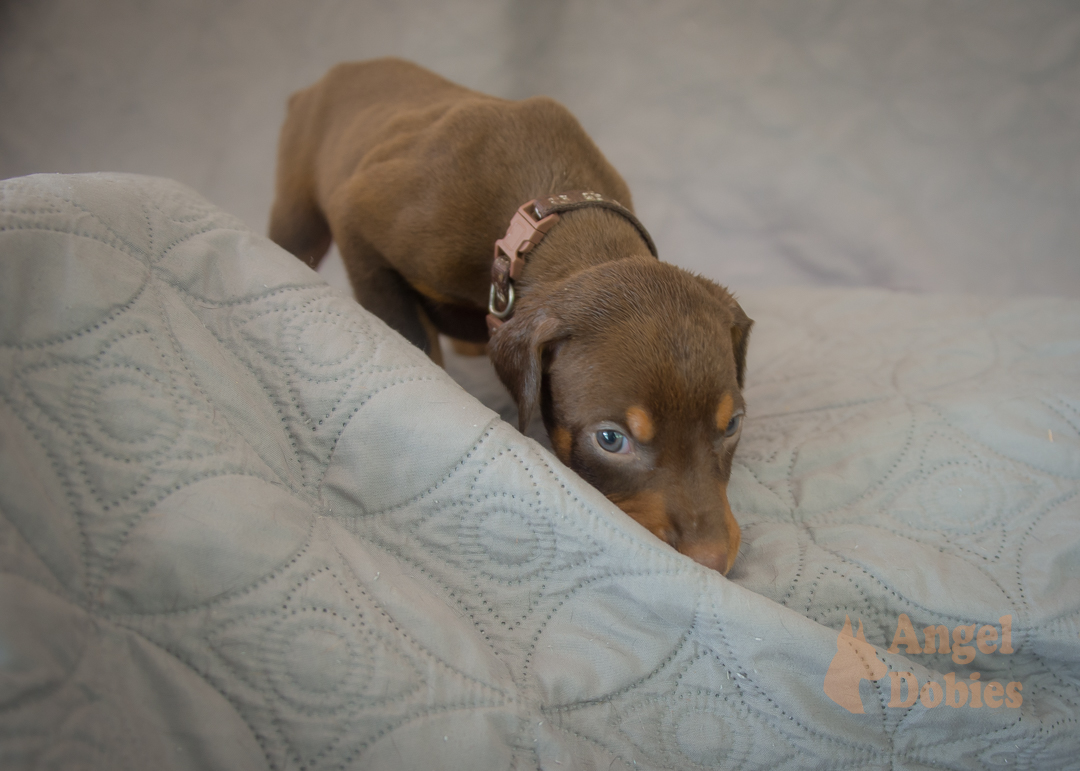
530, 223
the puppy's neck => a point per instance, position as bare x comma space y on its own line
581, 240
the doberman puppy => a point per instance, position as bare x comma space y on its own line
636, 365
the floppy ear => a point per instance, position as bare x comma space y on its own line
740, 337
517, 352
740, 328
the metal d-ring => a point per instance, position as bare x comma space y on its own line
501, 315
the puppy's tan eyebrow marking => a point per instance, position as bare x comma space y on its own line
724, 410
640, 424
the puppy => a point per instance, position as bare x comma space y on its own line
636, 366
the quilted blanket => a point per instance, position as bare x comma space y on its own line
244, 525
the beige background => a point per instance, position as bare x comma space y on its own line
922, 145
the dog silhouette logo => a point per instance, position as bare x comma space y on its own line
855, 661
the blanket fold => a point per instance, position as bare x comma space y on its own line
243, 524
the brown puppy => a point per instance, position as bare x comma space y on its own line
636, 366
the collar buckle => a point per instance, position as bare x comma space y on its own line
526, 230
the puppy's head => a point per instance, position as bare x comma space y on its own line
637, 368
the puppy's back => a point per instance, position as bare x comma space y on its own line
390, 82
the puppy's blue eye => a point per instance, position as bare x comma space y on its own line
733, 426
611, 440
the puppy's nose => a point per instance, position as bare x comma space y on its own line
711, 554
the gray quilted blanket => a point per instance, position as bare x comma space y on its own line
244, 525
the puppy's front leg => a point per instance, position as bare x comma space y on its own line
299, 228
382, 290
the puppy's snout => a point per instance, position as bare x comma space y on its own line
714, 541
711, 555
710, 538
716, 554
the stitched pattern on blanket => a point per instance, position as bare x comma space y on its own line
243, 524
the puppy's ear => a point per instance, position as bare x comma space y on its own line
740, 328
740, 337
517, 352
